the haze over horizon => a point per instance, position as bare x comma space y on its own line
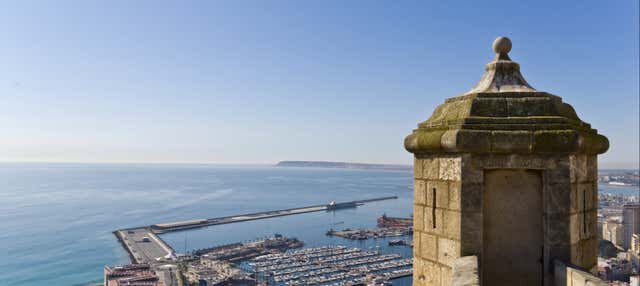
226, 82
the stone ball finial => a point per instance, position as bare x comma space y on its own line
502, 45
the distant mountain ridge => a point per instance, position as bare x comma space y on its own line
344, 165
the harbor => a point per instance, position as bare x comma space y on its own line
145, 246
276, 260
329, 265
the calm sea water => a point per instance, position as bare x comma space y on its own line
56, 219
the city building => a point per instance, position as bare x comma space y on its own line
209, 272
613, 231
635, 243
505, 186
631, 221
634, 280
618, 268
131, 275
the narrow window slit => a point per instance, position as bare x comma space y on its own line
433, 208
584, 211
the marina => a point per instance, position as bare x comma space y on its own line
329, 265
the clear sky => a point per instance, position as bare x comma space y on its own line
263, 81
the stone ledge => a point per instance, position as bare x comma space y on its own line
425, 141
567, 275
465, 271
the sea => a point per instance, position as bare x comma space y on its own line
56, 220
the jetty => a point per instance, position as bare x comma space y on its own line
145, 246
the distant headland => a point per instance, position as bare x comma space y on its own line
344, 165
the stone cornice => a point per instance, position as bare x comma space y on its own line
504, 114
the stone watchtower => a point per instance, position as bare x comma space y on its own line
508, 174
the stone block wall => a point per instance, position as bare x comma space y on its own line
437, 219
583, 211
448, 219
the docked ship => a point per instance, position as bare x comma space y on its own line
336, 206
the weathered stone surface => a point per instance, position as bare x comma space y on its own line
448, 251
450, 169
471, 233
581, 197
576, 227
476, 141
417, 243
576, 198
417, 168
590, 256
430, 168
590, 194
438, 192
455, 201
512, 161
419, 192
451, 130
442, 192
469, 172
558, 230
446, 275
578, 168
559, 198
418, 217
471, 197
561, 171
418, 272
592, 224
510, 141
592, 169
429, 245
452, 224
431, 273
465, 272
576, 253
433, 221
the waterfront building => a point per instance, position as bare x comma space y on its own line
634, 280
635, 243
211, 272
613, 231
631, 221
505, 189
387, 221
131, 275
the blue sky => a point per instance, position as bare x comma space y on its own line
263, 81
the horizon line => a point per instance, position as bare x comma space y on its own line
225, 163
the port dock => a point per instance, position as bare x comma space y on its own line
145, 246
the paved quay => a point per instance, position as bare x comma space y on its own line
143, 245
